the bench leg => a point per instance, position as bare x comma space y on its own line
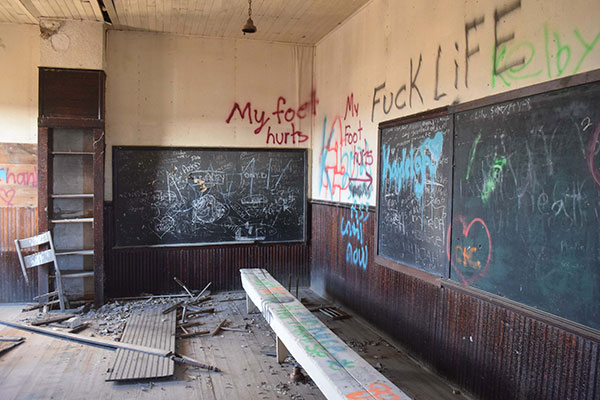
250, 307
282, 351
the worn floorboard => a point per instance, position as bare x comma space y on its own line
149, 328
44, 367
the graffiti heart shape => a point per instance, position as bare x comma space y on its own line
162, 226
7, 196
465, 233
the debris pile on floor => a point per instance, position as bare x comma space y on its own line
110, 319
137, 326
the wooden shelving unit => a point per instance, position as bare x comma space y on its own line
71, 177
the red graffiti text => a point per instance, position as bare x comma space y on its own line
286, 119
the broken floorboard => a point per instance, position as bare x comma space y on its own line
43, 367
8, 342
149, 328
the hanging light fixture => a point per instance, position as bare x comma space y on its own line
249, 26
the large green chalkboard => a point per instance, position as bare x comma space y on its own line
176, 196
526, 201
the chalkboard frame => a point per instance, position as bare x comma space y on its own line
385, 261
518, 307
305, 230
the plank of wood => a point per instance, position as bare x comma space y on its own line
218, 328
111, 344
32, 307
192, 334
11, 338
18, 185
193, 314
6, 345
18, 153
149, 328
18, 175
49, 320
78, 328
173, 307
194, 363
337, 370
190, 324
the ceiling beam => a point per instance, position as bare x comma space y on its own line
112, 13
96, 8
29, 10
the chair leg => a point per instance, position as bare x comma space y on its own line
62, 299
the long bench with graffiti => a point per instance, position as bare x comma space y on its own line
336, 369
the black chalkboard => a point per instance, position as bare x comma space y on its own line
174, 196
414, 184
526, 202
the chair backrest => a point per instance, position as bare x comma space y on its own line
38, 258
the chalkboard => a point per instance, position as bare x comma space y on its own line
526, 202
174, 196
414, 184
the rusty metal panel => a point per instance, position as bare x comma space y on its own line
130, 272
16, 223
489, 350
498, 353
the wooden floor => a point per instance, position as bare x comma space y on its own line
44, 367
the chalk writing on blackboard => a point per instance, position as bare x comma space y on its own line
413, 193
187, 196
526, 201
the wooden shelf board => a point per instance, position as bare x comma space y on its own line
73, 275
71, 220
73, 153
73, 196
75, 253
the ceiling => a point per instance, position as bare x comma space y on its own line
291, 21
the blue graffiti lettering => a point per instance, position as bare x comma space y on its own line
412, 168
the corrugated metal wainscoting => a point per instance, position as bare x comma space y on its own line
130, 272
16, 223
492, 351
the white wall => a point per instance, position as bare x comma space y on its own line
165, 90
76, 44
378, 44
19, 56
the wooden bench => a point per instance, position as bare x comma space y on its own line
336, 369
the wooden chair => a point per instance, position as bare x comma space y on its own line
39, 258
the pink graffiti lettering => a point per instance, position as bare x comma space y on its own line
466, 255
7, 196
28, 178
591, 151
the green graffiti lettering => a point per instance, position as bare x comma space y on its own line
494, 177
315, 350
496, 59
547, 51
588, 48
345, 364
513, 71
561, 49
